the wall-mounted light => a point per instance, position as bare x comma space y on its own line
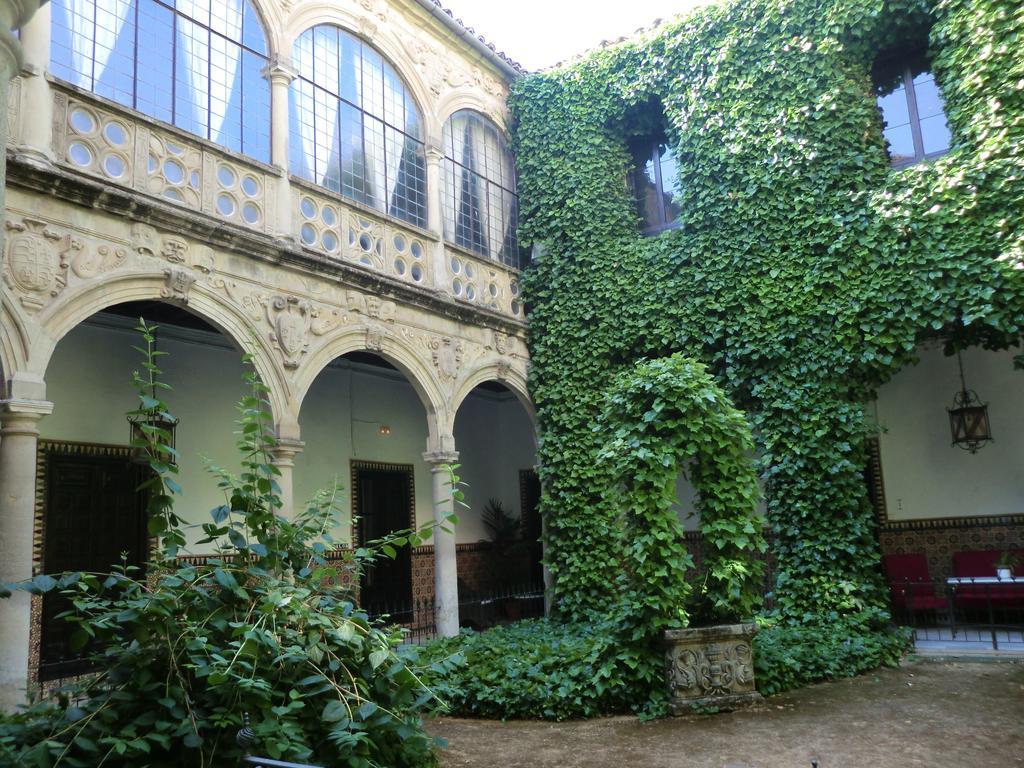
968, 418
384, 430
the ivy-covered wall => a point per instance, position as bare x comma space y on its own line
805, 268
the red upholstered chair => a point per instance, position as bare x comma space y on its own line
910, 585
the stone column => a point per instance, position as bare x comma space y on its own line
35, 138
435, 213
13, 14
284, 454
446, 575
280, 75
19, 436
435, 154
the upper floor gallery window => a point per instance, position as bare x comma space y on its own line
481, 208
912, 108
194, 63
654, 181
355, 128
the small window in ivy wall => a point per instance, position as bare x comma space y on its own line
654, 180
912, 109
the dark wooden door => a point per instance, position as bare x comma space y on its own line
383, 504
93, 515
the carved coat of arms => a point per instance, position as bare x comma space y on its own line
36, 263
290, 319
447, 356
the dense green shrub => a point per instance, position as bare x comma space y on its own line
661, 417
183, 651
545, 670
791, 656
548, 670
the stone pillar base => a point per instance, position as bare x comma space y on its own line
710, 667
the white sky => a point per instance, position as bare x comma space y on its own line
539, 33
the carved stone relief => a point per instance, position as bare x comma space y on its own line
94, 261
177, 284
174, 249
710, 666
447, 355
290, 320
37, 261
145, 239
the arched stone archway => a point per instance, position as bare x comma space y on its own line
76, 307
501, 531
495, 370
397, 353
13, 345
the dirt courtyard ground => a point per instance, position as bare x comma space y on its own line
926, 713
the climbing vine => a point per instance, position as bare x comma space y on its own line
803, 273
661, 417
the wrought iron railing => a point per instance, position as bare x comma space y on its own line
476, 611
961, 613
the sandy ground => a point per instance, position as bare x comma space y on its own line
927, 713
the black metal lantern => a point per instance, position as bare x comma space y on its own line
138, 434
968, 418
141, 425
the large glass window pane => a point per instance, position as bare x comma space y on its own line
180, 61
356, 124
929, 99
935, 134
669, 183
895, 110
914, 122
155, 66
478, 179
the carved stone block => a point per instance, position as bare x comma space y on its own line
710, 667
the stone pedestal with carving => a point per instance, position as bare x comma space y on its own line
710, 667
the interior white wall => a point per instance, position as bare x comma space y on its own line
89, 383
341, 419
495, 440
924, 475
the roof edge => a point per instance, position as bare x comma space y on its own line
508, 66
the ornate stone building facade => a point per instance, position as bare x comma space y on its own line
286, 235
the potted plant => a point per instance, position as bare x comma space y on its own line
1005, 564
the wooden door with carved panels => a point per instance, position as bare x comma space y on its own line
93, 518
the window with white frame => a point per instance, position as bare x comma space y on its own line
195, 63
355, 128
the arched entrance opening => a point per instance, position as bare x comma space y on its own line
89, 511
364, 427
500, 532
955, 509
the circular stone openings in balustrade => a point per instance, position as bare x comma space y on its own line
82, 121
114, 166
80, 154
115, 133
226, 204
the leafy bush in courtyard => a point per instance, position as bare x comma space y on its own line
545, 670
184, 650
787, 657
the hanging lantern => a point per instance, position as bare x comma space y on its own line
968, 418
141, 425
